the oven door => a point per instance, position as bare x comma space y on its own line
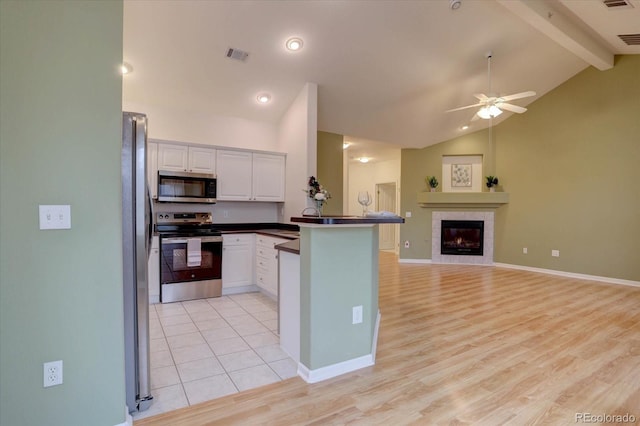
178, 280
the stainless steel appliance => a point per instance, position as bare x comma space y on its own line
190, 257
183, 187
136, 241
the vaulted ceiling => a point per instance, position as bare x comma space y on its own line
386, 70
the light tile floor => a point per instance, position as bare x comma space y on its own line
209, 348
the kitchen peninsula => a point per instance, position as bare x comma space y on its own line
329, 294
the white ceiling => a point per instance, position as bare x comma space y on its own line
386, 70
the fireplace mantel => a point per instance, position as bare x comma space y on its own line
491, 200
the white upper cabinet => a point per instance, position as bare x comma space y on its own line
182, 158
152, 169
268, 177
234, 175
202, 160
247, 176
173, 157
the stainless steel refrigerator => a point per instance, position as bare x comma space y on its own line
136, 240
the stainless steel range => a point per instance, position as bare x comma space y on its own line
190, 257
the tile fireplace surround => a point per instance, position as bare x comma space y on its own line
437, 257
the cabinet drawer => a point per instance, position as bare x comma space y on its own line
264, 263
266, 252
231, 239
269, 242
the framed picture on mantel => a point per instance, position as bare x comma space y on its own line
461, 176
462, 173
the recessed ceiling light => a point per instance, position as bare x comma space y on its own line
465, 127
363, 159
294, 44
345, 145
126, 68
264, 98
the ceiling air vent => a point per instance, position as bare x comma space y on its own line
630, 39
237, 54
617, 4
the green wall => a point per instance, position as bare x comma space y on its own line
330, 172
570, 165
416, 165
60, 142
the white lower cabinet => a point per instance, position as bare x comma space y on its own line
237, 262
267, 263
154, 271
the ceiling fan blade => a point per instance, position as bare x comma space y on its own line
518, 95
475, 117
511, 107
464, 107
481, 97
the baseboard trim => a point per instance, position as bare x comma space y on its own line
414, 260
242, 289
570, 274
128, 420
330, 371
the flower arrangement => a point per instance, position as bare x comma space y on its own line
316, 191
492, 181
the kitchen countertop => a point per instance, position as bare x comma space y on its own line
290, 235
292, 246
281, 230
347, 220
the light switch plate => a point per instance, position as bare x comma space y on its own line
55, 216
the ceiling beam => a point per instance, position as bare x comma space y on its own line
546, 18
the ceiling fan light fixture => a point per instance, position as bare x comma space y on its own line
489, 111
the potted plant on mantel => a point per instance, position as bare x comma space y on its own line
432, 182
492, 181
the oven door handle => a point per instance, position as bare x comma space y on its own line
184, 240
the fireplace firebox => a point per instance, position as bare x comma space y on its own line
462, 237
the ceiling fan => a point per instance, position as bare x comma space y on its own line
493, 104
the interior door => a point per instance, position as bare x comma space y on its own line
386, 201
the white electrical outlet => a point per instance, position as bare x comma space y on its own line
407, 214
407, 244
555, 253
52, 373
55, 217
524, 250
357, 315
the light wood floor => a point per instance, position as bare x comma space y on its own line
467, 345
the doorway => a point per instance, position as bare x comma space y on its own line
386, 197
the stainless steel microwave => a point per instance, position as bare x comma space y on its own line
183, 187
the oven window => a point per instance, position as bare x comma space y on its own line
173, 262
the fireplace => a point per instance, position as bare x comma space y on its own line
462, 237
